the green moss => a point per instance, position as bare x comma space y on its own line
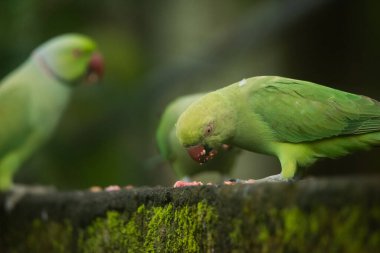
294, 230
156, 229
235, 234
131, 232
104, 233
198, 228
202, 227
48, 236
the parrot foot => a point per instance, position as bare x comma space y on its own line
18, 191
234, 181
184, 183
274, 179
271, 179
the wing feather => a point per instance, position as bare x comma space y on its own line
300, 111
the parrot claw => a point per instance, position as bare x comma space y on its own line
234, 181
275, 179
271, 179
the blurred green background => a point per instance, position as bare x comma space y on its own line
156, 51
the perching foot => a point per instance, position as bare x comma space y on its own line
234, 181
274, 179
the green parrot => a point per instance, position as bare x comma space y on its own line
296, 121
34, 96
172, 150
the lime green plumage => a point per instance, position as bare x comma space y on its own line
315, 111
33, 97
296, 121
172, 151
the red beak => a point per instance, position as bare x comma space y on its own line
201, 154
95, 68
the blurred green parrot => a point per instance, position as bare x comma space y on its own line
34, 96
170, 148
297, 121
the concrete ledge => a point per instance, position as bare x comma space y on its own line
314, 215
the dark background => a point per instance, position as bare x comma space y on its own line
156, 51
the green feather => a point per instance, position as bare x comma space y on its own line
314, 111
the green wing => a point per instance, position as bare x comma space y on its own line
300, 111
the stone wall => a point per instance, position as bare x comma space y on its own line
313, 215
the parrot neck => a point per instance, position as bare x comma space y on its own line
249, 128
41, 61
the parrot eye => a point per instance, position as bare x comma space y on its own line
209, 129
77, 52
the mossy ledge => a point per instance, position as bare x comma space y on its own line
315, 215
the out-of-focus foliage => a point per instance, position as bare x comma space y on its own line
158, 50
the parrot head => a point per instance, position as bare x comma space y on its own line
71, 58
206, 127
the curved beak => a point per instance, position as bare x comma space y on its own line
201, 154
95, 69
